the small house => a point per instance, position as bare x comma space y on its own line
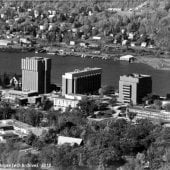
72, 42
25, 41
93, 45
69, 140
2, 15
16, 81
128, 58
5, 42
4, 129
82, 44
50, 27
130, 36
42, 27
124, 42
143, 44
51, 16
74, 30
10, 136
114, 9
36, 13
132, 44
96, 38
90, 13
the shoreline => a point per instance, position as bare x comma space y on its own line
155, 62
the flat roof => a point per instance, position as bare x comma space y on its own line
64, 98
35, 58
15, 123
84, 70
70, 96
70, 140
127, 57
136, 75
22, 92
9, 135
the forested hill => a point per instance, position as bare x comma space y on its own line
149, 21
115, 3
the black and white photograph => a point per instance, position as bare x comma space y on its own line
84, 84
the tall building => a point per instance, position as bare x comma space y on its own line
36, 74
82, 81
133, 87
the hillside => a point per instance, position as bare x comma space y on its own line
148, 21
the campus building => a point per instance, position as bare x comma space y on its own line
133, 87
36, 74
67, 101
151, 114
85, 81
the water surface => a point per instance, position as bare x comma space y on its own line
11, 62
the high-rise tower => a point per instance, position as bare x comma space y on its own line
134, 87
36, 74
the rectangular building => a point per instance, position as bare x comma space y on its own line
134, 87
36, 74
86, 81
63, 102
151, 114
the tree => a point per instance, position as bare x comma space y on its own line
131, 115
87, 106
29, 158
157, 104
30, 117
47, 154
6, 80
6, 111
109, 89
167, 6
30, 139
167, 107
51, 136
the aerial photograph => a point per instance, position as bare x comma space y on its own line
84, 84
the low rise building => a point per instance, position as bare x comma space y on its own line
34, 99
82, 44
152, 114
72, 43
16, 81
25, 41
10, 136
4, 129
114, 9
68, 100
132, 44
143, 44
22, 129
96, 38
69, 140
128, 58
5, 42
131, 36
13, 95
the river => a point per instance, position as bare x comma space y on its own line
11, 63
